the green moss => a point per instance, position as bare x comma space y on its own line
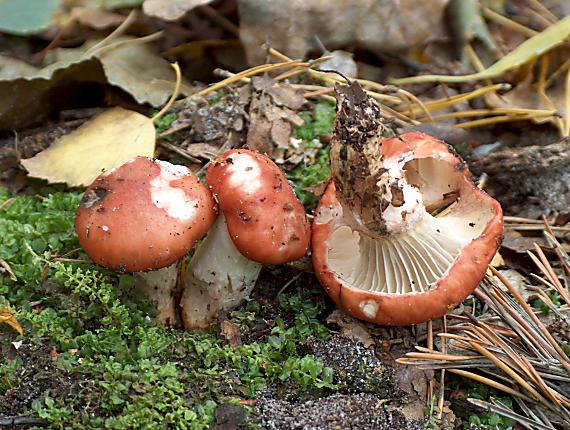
124, 371
164, 122
318, 122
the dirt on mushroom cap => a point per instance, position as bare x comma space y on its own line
265, 219
143, 215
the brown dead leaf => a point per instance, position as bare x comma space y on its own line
272, 115
375, 25
96, 18
414, 381
27, 93
6, 317
171, 10
231, 333
105, 142
351, 328
514, 241
526, 96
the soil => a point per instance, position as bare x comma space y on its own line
339, 411
39, 377
529, 180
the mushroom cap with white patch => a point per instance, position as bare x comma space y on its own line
143, 215
265, 220
426, 264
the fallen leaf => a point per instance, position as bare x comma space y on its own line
6, 317
171, 10
98, 19
12, 68
104, 4
231, 333
515, 242
272, 115
30, 17
140, 72
27, 92
383, 25
526, 95
526, 51
105, 142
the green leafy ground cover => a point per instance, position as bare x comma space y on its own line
318, 122
124, 371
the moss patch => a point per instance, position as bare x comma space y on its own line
92, 355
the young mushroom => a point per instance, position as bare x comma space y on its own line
144, 216
378, 250
261, 221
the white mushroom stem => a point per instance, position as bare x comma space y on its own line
218, 278
159, 286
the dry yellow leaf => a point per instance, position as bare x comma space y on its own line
106, 141
7, 317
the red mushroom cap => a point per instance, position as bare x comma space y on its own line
266, 221
419, 271
143, 215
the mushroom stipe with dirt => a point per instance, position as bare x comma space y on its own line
378, 249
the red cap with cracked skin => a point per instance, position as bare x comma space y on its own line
143, 215
427, 264
266, 221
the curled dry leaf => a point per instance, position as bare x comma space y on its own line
171, 10
96, 18
105, 142
231, 333
272, 115
6, 317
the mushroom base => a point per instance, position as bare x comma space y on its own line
218, 278
159, 286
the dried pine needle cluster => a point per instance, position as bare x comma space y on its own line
511, 348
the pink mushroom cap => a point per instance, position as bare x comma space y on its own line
143, 215
265, 220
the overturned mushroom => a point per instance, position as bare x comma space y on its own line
261, 222
143, 216
377, 249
